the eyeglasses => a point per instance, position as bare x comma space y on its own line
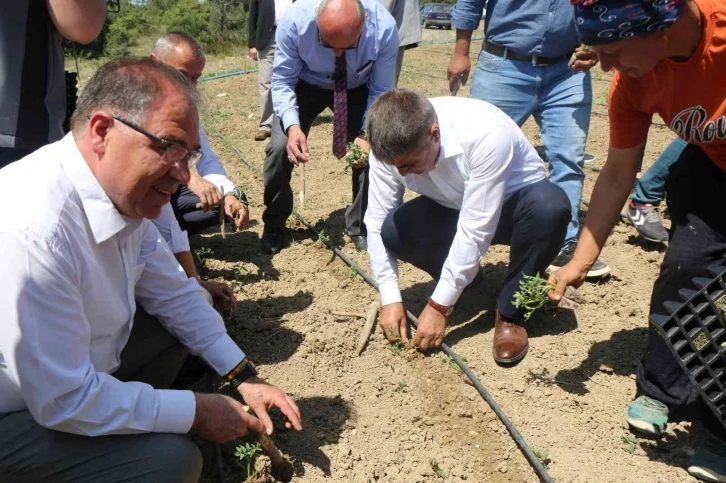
173, 152
326, 45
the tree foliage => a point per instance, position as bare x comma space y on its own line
219, 25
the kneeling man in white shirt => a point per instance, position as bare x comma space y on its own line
96, 318
481, 183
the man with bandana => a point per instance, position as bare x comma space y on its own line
669, 60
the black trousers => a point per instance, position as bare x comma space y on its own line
278, 195
191, 218
10, 155
533, 223
695, 195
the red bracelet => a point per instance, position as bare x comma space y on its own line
442, 309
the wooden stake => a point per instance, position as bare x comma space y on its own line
371, 316
348, 314
222, 215
302, 186
282, 469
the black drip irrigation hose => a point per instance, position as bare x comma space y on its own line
516, 435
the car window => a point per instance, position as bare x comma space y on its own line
439, 8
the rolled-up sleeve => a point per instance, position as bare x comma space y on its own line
467, 14
479, 216
45, 344
178, 303
210, 166
385, 194
285, 73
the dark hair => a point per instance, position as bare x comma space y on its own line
129, 86
398, 121
170, 40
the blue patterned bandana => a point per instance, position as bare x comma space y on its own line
606, 21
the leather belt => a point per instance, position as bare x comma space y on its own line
509, 54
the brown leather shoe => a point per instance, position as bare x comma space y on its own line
510, 341
262, 134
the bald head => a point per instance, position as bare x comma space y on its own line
182, 52
340, 23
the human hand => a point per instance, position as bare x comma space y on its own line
571, 274
221, 293
393, 322
297, 145
261, 396
236, 210
583, 59
365, 148
220, 418
431, 329
458, 72
208, 194
253, 53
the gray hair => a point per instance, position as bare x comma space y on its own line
168, 42
399, 120
129, 86
358, 7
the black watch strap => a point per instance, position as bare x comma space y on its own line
247, 372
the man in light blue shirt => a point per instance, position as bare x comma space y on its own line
317, 42
531, 64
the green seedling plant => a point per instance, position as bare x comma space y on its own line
437, 469
323, 239
353, 270
397, 344
631, 442
448, 361
402, 387
542, 454
356, 156
247, 454
236, 283
532, 294
202, 254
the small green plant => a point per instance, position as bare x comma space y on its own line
236, 283
532, 294
631, 443
323, 239
448, 361
542, 454
247, 454
397, 344
202, 254
402, 387
356, 157
437, 469
353, 270
700, 341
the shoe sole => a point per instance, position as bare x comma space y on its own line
512, 360
643, 427
705, 474
591, 274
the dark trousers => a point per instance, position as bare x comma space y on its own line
278, 196
30, 453
191, 218
533, 223
10, 155
694, 195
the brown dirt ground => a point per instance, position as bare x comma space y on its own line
389, 414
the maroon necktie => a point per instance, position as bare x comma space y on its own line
340, 107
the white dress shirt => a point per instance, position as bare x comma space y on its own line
484, 158
210, 168
73, 269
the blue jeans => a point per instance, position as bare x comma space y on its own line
560, 101
650, 188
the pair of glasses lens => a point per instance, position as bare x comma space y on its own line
173, 153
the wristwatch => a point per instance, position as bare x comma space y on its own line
442, 309
241, 372
239, 194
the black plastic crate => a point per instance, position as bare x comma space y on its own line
695, 332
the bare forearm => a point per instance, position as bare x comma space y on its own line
611, 191
186, 261
463, 42
78, 20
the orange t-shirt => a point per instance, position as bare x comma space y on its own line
689, 96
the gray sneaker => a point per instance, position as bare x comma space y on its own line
598, 269
646, 220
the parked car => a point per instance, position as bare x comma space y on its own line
436, 15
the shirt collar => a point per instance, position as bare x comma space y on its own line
103, 217
450, 144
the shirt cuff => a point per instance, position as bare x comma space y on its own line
390, 293
445, 294
290, 117
223, 355
465, 20
176, 411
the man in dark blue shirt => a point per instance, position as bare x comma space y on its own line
531, 64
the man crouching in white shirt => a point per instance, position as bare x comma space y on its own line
482, 183
78, 358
